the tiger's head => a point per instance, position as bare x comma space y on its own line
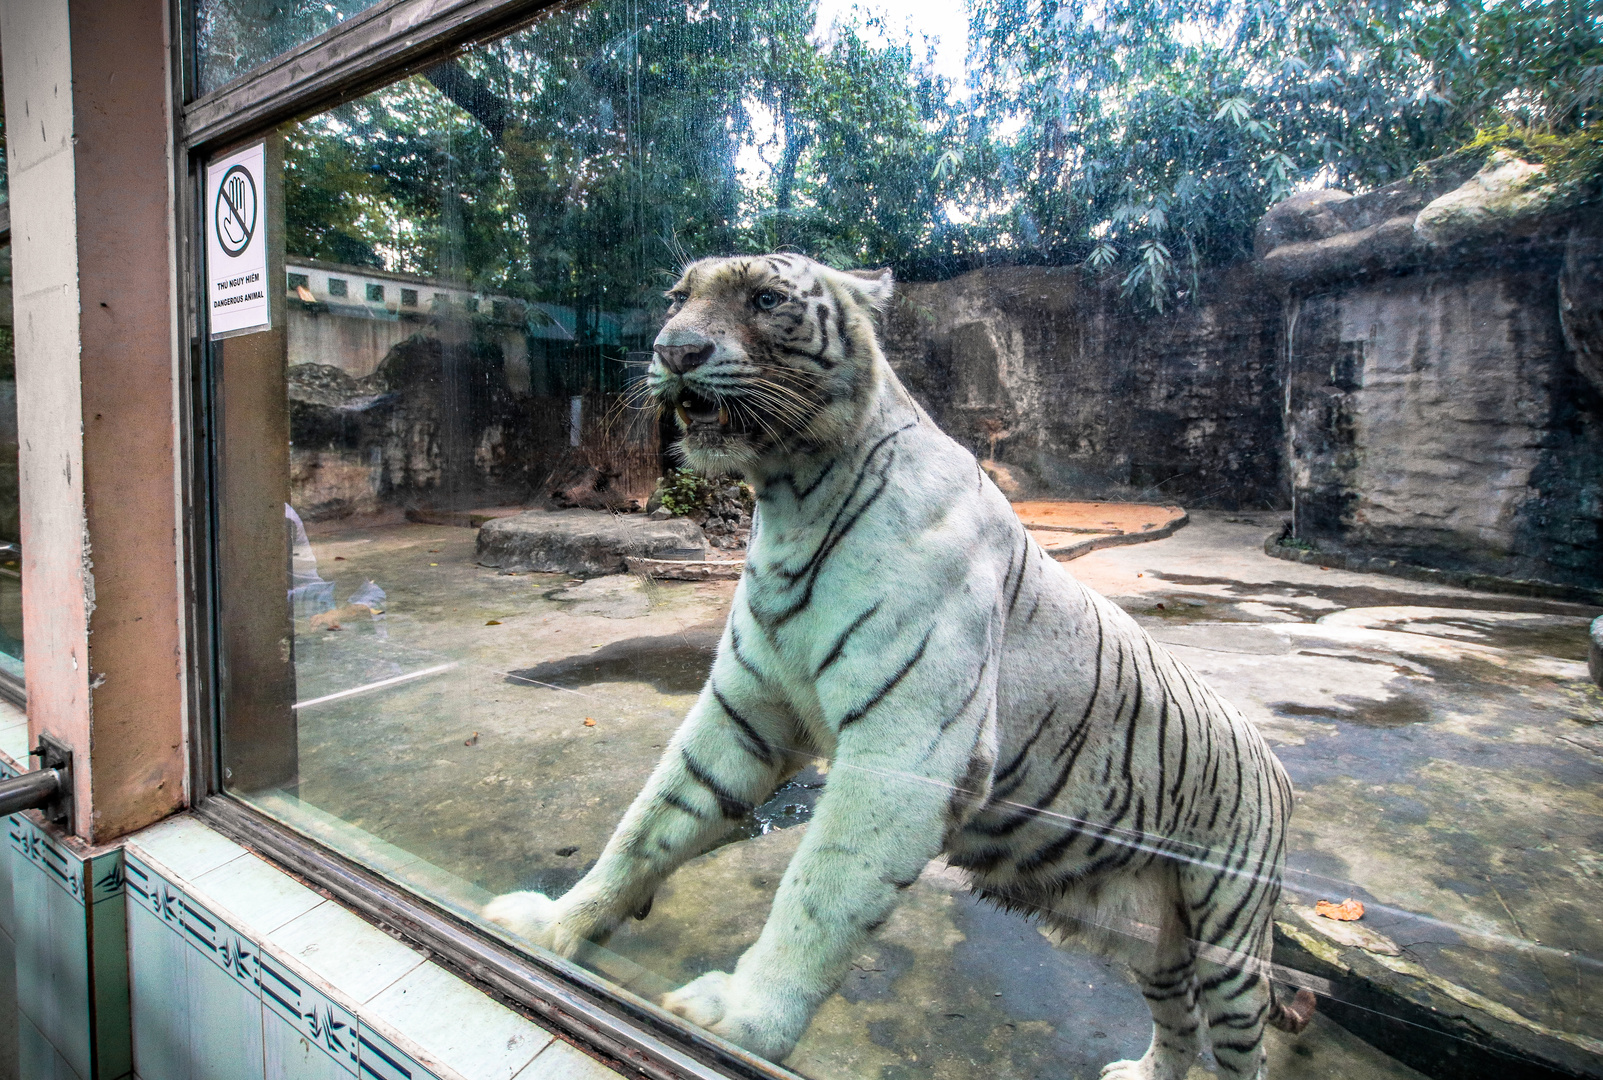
765, 356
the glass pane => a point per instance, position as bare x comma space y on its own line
1187, 406
233, 36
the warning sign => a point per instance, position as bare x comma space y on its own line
236, 244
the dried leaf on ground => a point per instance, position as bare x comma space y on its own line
1349, 910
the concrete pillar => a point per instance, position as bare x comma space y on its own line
89, 154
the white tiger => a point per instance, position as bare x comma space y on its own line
974, 699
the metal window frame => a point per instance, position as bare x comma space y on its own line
388, 41
12, 689
373, 48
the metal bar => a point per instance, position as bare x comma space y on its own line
387, 41
13, 689
561, 995
29, 790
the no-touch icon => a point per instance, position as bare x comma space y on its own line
236, 210
236, 243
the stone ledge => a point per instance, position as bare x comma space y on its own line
586, 543
1339, 559
1073, 550
679, 570
1433, 1025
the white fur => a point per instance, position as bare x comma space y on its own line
935, 636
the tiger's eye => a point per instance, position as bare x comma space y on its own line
767, 300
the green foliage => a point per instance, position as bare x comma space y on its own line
684, 492
1155, 133
1573, 162
580, 160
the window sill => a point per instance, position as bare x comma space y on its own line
635, 1036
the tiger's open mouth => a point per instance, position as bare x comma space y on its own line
696, 412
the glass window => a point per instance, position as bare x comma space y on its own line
299, 281
375, 294
233, 36
1201, 562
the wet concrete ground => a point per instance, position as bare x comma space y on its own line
1447, 750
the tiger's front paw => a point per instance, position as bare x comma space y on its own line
1149, 1066
700, 1001
716, 1002
536, 918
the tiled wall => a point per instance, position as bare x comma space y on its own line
182, 956
63, 962
8, 946
239, 972
70, 935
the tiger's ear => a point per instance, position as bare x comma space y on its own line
877, 286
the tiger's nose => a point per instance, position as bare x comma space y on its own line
681, 358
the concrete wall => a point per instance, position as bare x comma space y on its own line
357, 345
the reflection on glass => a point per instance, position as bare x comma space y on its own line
233, 36
1161, 254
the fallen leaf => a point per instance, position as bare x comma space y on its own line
339, 558
493, 622
434, 564
571, 849
474, 741
589, 722
1349, 910
334, 626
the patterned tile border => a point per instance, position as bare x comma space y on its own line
330, 1026
60, 867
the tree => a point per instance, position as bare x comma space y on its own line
579, 160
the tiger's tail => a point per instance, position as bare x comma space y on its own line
1294, 1017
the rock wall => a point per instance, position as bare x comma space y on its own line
1416, 372
1438, 347
434, 425
442, 423
1074, 394
1436, 419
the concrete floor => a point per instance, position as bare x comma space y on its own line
1447, 750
